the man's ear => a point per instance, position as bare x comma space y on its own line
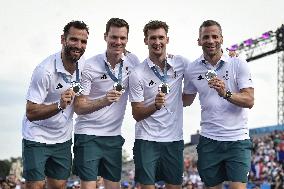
105, 36
62, 39
145, 41
198, 42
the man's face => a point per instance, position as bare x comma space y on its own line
156, 40
116, 40
74, 44
210, 39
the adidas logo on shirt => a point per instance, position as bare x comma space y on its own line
59, 86
200, 77
151, 83
104, 76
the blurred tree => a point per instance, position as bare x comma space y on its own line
5, 166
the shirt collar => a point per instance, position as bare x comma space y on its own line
169, 63
105, 58
224, 58
59, 67
59, 64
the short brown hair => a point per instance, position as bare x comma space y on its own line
208, 23
117, 22
155, 24
76, 24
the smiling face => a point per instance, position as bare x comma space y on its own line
116, 38
74, 44
157, 41
210, 39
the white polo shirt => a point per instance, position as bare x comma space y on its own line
163, 125
96, 83
46, 86
220, 119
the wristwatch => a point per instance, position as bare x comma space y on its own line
228, 94
59, 107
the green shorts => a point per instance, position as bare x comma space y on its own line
51, 160
158, 161
220, 161
98, 156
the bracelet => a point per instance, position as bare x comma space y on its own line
59, 107
228, 95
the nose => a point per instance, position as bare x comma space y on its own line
79, 44
118, 41
210, 40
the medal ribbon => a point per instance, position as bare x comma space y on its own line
163, 78
218, 68
64, 76
119, 79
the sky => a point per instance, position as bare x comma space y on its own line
31, 29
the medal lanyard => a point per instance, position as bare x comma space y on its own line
112, 76
218, 68
64, 76
156, 72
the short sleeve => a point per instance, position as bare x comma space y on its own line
136, 89
188, 87
39, 85
86, 80
244, 78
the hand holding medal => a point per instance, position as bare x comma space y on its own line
218, 85
164, 89
113, 96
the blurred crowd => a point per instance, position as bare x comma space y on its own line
266, 169
12, 182
268, 160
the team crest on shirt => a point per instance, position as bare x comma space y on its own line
175, 74
226, 76
127, 70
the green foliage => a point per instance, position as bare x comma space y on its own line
5, 166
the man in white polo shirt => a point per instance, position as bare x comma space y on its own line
101, 108
225, 90
47, 124
156, 98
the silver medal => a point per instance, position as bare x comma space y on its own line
210, 75
77, 88
118, 87
164, 88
